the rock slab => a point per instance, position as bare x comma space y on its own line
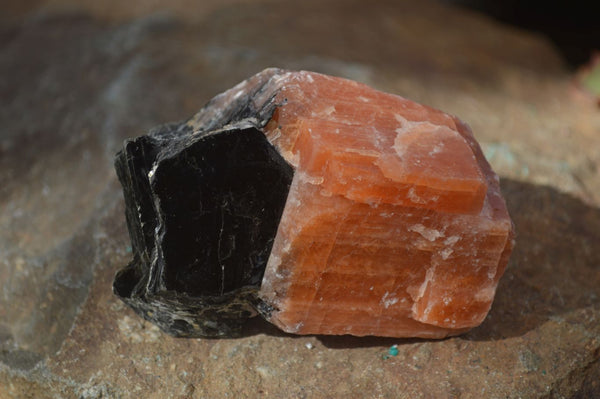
84, 80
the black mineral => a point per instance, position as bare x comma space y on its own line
202, 208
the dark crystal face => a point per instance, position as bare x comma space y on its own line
203, 201
221, 199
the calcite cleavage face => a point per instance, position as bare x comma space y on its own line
328, 206
394, 224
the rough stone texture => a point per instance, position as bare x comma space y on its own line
76, 84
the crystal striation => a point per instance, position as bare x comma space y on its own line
327, 206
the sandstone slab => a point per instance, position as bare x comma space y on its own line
82, 82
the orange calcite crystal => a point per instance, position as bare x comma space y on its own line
394, 224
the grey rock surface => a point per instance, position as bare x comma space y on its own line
80, 77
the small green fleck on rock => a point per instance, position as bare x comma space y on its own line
529, 360
393, 351
592, 80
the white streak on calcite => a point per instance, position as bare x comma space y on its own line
427, 233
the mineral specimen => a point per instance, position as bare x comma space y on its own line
325, 205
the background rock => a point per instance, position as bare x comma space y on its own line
80, 77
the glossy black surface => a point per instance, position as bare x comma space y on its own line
221, 199
202, 210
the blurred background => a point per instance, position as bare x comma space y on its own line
79, 77
572, 27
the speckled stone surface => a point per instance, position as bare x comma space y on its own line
82, 77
